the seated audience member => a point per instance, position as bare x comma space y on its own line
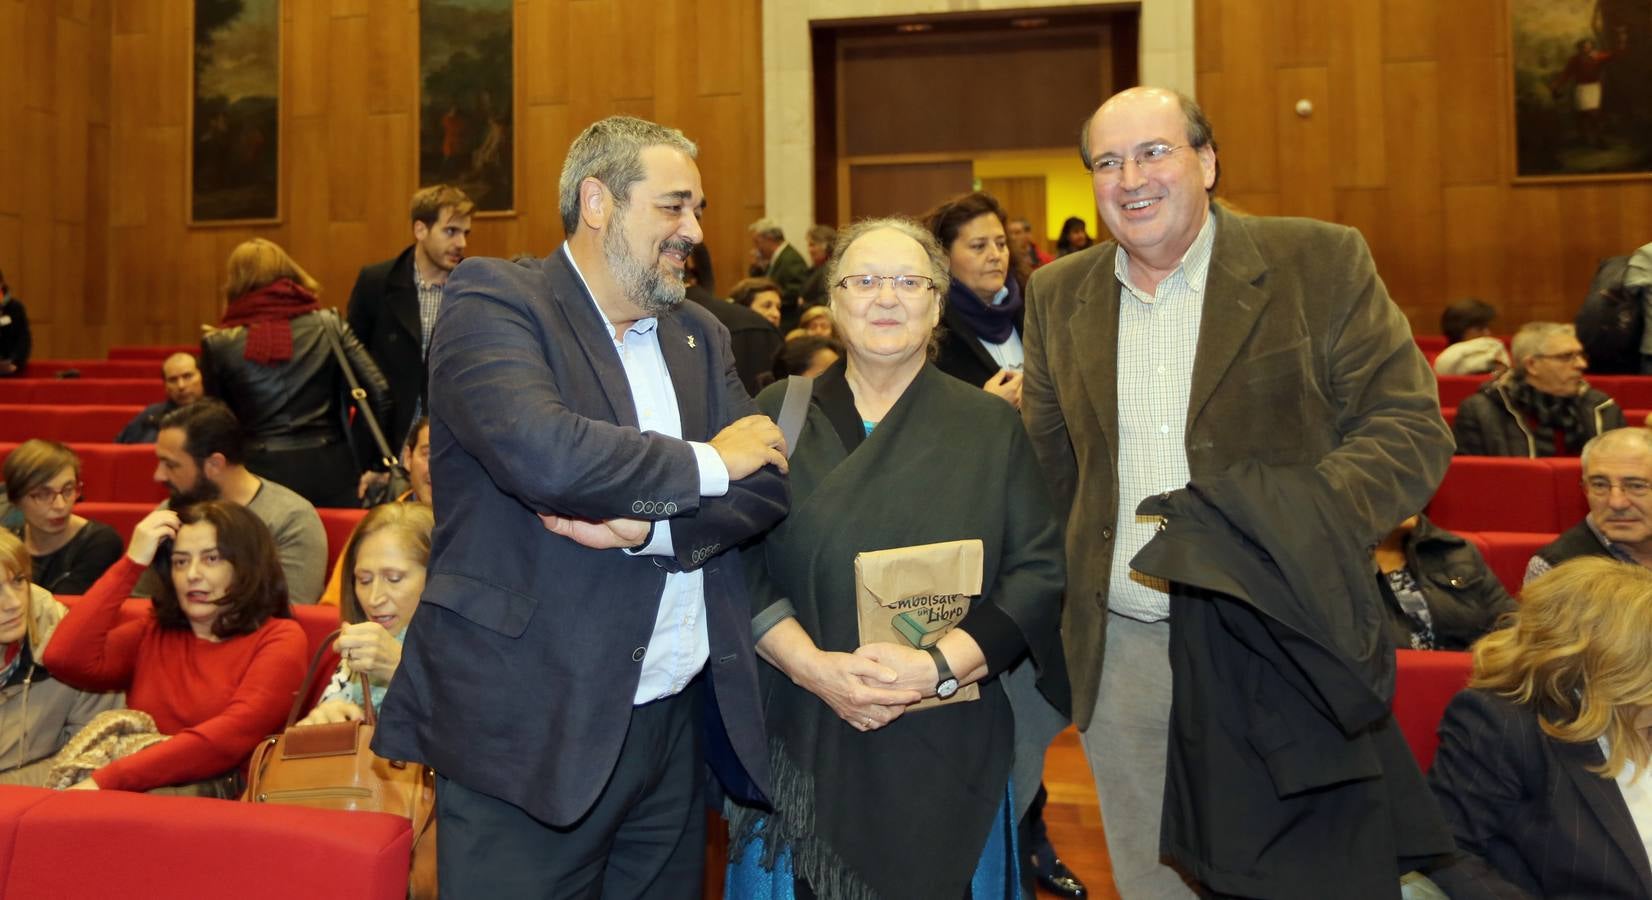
1617, 479
272, 362
1471, 349
70, 551
416, 460
1538, 758
1024, 247
38, 713
752, 338
761, 296
387, 557
1540, 407
200, 455
820, 241
1074, 236
1612, 322
182, 377
215, 664
816, 321
807, 355
15, 341
1439, 591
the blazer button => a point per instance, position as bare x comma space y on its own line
636, 506
1106, 534
670, 508
637, 654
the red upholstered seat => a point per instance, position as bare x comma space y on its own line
95, 368
339, 524
152, 351
84, 423
98, 844
1507, 553
1424, 682
113, 473
83, 391
1430, 343
1570, 503
1493, 493
1631, 391
1455, 388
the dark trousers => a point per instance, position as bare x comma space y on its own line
324, 475
644, 838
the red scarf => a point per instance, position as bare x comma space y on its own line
268, 313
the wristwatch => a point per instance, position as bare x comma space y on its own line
946, 684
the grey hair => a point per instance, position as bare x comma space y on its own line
768, 228
1607, 441
1199, 131
610, 151
938, 261
824, 235
1529, 340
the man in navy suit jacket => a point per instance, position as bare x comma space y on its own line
580, 624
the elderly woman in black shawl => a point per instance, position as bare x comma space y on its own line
871, 797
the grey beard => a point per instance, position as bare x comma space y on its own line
643, 284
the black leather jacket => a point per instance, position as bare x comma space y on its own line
1464, 596
300, 403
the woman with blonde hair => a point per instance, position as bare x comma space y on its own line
271, 360
386, 562
1540, 761
38, 713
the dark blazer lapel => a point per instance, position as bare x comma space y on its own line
402, 295
1232, 304
1604, 799
595, 335
686, 349
1095, 326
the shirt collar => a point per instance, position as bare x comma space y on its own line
641, 326
1616, 551
1194, 265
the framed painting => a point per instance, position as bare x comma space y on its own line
234, 153
467, 135
1579, 74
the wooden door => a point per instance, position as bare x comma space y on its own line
1023, 198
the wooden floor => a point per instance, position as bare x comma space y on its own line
1071, 815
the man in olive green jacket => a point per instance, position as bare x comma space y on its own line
1195, 339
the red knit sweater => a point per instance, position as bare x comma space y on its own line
216, 700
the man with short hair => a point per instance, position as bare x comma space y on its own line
1539, 407
820, 241
1203, 346
393, 309
781, 264
1024, 246
582, 625
201, 457
182, 377
1617, 479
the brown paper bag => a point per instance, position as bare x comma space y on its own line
912, 596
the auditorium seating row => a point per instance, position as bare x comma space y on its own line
155, 352
84, 391
1493, 493
91, 845
123, 517
94, 368
1424, 682
1631, 391
112, 473
87, 423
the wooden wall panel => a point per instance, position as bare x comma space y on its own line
54, 212
105, 113
1407, 143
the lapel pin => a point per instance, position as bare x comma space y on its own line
691, 342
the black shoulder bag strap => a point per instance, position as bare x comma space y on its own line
357, 395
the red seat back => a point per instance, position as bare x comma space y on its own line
1507, 554
1424, 682
113, 473
85, 423
157, 846
94, 368
340, 523
1454, 389
84, 391
1493, 493
154, 352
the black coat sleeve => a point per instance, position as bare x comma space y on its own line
1480, 774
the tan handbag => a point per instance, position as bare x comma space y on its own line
334, 767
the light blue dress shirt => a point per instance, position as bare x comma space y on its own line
679, 647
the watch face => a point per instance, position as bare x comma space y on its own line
946, 688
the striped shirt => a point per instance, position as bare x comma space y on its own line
430, 303
1158, 336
